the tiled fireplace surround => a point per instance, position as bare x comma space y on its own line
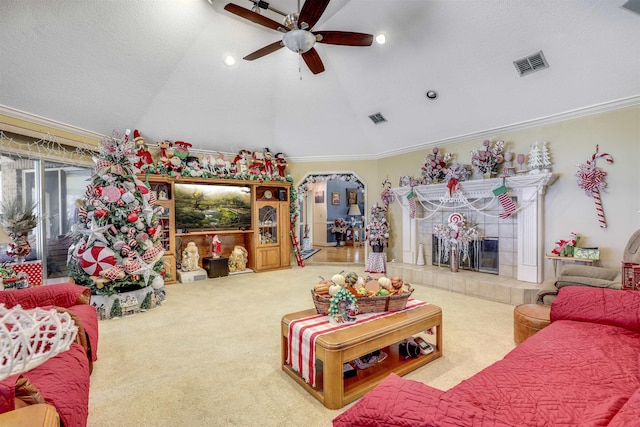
520, 238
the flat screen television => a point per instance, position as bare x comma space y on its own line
212, 207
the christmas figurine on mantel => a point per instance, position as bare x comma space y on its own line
117, 245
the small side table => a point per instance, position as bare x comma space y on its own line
556, 258
216, 267
354, 237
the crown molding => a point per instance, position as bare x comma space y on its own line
18, 121
32, 127
604, 107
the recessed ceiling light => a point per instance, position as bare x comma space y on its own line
431, 94
229, 61
381, 39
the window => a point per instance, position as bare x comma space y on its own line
63, 184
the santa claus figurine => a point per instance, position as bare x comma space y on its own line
216, 246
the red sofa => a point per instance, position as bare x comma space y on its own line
581, 370
63, 380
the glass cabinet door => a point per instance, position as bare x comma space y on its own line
268, 224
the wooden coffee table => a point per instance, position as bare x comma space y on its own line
336, 348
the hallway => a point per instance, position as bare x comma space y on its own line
331, 254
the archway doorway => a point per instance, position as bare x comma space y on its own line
323, 197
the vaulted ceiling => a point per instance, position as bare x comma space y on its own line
157, 65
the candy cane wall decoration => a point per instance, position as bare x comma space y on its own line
591, 180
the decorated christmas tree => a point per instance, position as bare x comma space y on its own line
116, 246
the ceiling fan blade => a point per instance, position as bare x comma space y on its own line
313, 61
345, 38
312, 10
252, 16
264, 51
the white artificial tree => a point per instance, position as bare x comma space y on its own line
545, 157
535, 158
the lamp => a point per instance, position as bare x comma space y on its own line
354, 211
4, 237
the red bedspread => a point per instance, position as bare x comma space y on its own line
571, 373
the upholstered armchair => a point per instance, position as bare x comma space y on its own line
581, 275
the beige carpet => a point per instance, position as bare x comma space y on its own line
210, 356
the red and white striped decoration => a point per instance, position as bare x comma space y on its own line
117, 169
101, 164
113, 273
82, 213
150, 254
96, 259
131, 265
591, 180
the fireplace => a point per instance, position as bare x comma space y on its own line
519, 254
484, 255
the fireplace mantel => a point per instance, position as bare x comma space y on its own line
529, 192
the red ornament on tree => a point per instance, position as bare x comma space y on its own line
100, 213
132, 217
151, 231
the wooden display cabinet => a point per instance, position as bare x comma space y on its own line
271, 239
267, 240
162, 188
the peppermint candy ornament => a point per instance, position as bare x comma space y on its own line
96, 259
455, 218
111, 193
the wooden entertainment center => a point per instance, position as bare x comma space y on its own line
266, 239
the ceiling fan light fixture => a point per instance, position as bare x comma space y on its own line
299, 41
229, 60
290, 21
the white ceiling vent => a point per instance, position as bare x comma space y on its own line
377, 118
531, 64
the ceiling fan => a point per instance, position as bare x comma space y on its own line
298, 35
